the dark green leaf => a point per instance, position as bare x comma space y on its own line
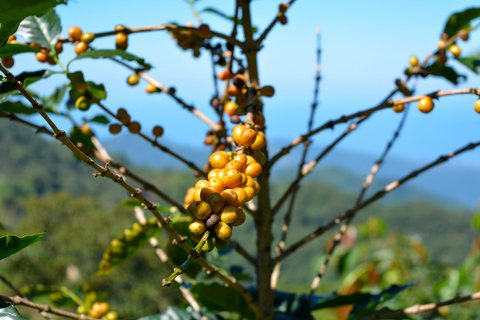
175, 313
43, 30
97, 90
448, 73
130, 203
360, 299
16, 107
8, 312
99, 119
12, 244
13, 49
19, 9
7, 28
27, 78
103, 54
77, 135
472, 62
460, 21
217, 297
125, 245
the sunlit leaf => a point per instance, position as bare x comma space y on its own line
8, 312
99, 119
27, 78
460, 21
11, 244
43, 30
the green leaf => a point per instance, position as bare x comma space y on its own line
99, 119
43, 30
97, 90
104, 54
360, 299
77, 135
19, 9
130, 203
27, 78
460, 21
175, 313
217, 297
12, 49
12, 244
472, 62
448, 73
125, 245
16, 107
56, 98
8, 28
476, 221
8, 312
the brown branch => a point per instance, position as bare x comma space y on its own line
366, 184
238, 247
271, 25
136, 193
44, 308
306, 169
390, 187
167, 27
386, 104
419, 308
155, 143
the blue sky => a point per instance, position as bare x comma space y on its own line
365, 45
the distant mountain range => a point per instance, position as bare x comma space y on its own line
451, 183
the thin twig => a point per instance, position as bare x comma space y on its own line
386, 104
419, 308
271, 25
44, 308
135, 192
366, 184
238, 247
390, 187
288, 215
155, 143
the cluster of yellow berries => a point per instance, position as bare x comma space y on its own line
217, 203
192, 39
99, 310
83, 40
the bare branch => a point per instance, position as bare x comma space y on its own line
419, 308
271, 25
238, 247
390, 187
386, 104
44, 308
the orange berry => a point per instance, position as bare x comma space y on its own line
229, 214
217, 184
12, 37
201, 184
426, 104
242, 158
134, 127
115, 128
87, 37
241, 196
267, 91
121, 38
283, 7
233, 91
239, 81
8, 62
256, 187
134, 79
230, 197
196, 195
75, 33
413, 61
81, 47
200, 209
151, 88
250, 192
41, 57
86, 130
455, 50
232, 178
197, 227
158, 131
283, 19
219, 159
234, 164
213, 174
59, 47
223, 231
399, 108
230, 108
465, 36
206, 191
204, 31
224, 75
119, 27
253, 170
477, 106
259, 142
